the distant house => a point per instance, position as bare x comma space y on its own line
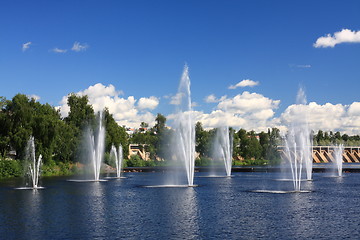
11, 154
130, 131
139, 149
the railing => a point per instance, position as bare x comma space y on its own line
325, 154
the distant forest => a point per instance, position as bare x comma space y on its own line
59, 139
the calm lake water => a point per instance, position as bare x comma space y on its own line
219, 208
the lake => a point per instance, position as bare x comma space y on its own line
219, 208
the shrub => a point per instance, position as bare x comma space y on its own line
10, 168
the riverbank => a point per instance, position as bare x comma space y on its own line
322, 167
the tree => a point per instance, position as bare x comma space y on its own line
115, 135
202, 140
4, 129
161, 132
81, 113
20, 112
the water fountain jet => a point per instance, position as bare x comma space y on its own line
223, 148
95, 146
118, 157
338, 159
34, 165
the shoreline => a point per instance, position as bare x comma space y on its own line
322, 167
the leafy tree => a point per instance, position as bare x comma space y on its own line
4, 129
20, 114
81, 113
161, 132
114, 133
202, 140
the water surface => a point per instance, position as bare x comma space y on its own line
219, 208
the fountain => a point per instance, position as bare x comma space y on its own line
182, 139
97, 147
184, 147
338, 159
118, 156
34, 165
298, 144
297, 148
223, 148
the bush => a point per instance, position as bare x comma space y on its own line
203, 161
135, 161
51, 168
10, 168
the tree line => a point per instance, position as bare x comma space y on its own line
59, 139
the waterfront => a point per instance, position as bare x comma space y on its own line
219, 208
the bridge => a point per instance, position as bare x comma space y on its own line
325, 154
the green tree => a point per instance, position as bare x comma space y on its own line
81, 112
115, 135
161, 133
4, 129
202, 140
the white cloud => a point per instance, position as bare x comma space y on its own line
354, 109
212, 99
344, 36
248, 102
176, 100
244, 83
126, 111
58, 50
78, 47
26, 46
251, 111
35, 97
304, 66
148, 103
326, 117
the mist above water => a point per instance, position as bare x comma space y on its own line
338, 159
222, 149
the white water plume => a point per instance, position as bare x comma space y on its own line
34, 164
184, 127
118, 157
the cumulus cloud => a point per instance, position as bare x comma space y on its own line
148, 103
253, 111
250, 111
344, 36
58, 50
212, 99
126, 111
78, 47
327, 117
26, 46
248, 102
244, 83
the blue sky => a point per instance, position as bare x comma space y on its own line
140, 48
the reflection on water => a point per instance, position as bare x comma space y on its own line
220, 208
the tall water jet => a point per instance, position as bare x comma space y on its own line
97, 147
223, 147
118, 156
338, 158
298, 143
184, 128
34, 164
